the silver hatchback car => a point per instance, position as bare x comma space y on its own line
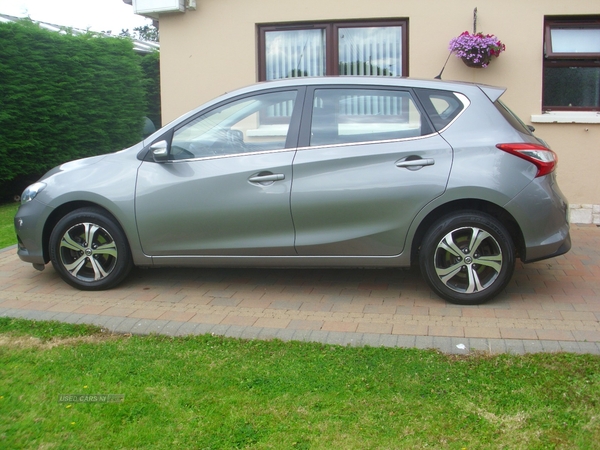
357, 171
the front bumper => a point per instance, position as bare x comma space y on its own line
29, 227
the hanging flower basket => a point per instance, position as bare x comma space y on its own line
484, 62
476, 49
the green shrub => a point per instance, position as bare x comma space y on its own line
64, 97
151, 67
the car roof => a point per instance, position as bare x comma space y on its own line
492, 92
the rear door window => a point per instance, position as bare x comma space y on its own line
351, 115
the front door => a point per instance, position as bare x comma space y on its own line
226, 187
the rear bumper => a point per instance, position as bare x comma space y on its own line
564, 248
543, 214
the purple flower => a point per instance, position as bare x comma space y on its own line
477, 48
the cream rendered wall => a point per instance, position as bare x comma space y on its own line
213, 49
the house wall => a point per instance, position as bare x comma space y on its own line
213, 49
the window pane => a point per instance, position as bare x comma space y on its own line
441, 106
370, 51
237, 127
295, 53
575, 40
572, 86
361, 115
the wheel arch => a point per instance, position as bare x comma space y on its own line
62, 211
499, 213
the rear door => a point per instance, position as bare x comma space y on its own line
368, 162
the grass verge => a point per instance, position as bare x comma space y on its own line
7, 230
210, 392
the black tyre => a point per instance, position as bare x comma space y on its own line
467, 257
89, 250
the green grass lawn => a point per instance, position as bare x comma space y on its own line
209, 392
7, 230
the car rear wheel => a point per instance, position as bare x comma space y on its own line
89, 250
467, 258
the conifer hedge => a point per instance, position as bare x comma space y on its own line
64, 97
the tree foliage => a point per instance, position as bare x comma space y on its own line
143, 33
64, 97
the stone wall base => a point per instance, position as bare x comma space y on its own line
585, 214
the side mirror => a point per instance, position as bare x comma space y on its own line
160, 151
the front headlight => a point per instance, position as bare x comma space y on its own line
31, 191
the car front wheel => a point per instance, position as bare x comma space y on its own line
89, 250
467, 258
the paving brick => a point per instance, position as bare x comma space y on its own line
411, 330
478, 345
146, 314
446, 331
225, 301
514, 346
301, 324
482, 332
236, 331
348, 307
179, 316
478, 312
207, 318
239, 320
339, 326
93, 309
517, 333
15, 303
511, 314
445, 312
267, 322
551, 346
543, 314
379, 309
115, 311
576, 315
424, 342
187, 329
558, 335
381, 328
586, 335
386, 340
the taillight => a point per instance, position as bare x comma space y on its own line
544, 159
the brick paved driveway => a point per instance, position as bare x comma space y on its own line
549, 305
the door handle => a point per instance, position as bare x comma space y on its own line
415, 164
266, 177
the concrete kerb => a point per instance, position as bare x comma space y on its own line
448, 345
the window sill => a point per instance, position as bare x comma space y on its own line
567, 117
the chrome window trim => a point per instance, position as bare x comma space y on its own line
233, 155
382, 141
